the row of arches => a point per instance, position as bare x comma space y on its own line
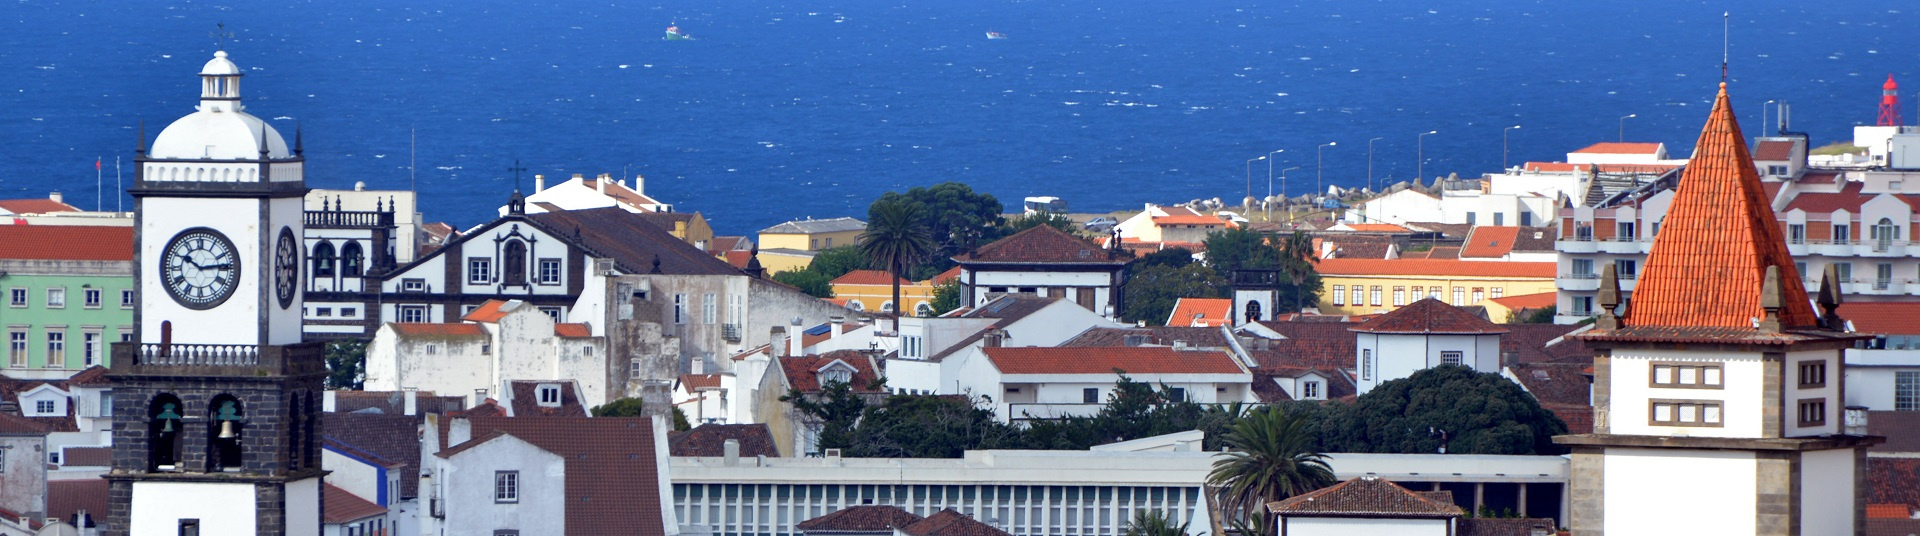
202, 174
349, 261
220, 428
921, 308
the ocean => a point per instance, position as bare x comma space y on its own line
779, 110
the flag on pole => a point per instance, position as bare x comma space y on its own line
96, 164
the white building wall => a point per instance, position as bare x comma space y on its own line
1351, 526
985, 281
1631, 384
222, 508
303, 508
1826, 481
467, 479
1397, 208
238, 219
1871, 375
455, 366
1793, 393
1398, 356
1717, 493
351, 475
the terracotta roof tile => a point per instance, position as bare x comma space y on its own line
1609, 147
1440, 267
1559, 383
949, 275
572, 330
68, 497
391, 437
1579, 418
1527, 301
86, 456
1718, 239
1377, 228
66, 242
1202, 337
1901, 428
1890, 481
631, 242
622, 194
1189, 220
1043, 244
1488, 241
488, 311
17, 425
803, 373
1564, 167
870, 277
34, 206
1889, 511
1429, 315
1493, 526
859, 519
1096, 360
951, 523
438, 329
710, 440
344, 507
1773, 151
1201, 312
526, 400
1323, 345
612, 484
695, 382
94, 376
1367, 496
1882, 318
395, 402
1848, 198
1545, 343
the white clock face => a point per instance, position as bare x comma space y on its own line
199, 268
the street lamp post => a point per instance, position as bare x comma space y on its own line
1319, 173
1503, 144
1763, 117
1268, 201
1623, 125
1250, 162
1420, 153
1370, 163
1283, 195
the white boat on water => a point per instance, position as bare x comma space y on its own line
996, 35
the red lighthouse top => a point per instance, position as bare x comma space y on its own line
1890, 86
1889, 103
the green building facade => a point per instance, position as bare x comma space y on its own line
59, 316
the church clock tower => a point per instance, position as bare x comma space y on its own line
217, 429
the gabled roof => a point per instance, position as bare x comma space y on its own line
870, 277
1322, 345
1881, 318
461, 329
1364, 497
810, 226
1527, 301
66, 242
859, 519
634, 244
1609, 147
1558, 383
1098, 360
68, 497
34, 206
572, 330
612, 484
394, 438
695, 382
1200, 337
1719, 237
94, 376
710, 440
951, 523
1890, 480
488, 311
1439, 267
949, 275
803, 373
526, 399
1043, 244
1201, 312
1488, 241
344, 507
1429, 316
1773, 151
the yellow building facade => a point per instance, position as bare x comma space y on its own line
812, 235
1373, 286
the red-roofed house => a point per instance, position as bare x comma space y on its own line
561, 475
22, 207
1512, 309
1426, 334
1047, 383
1366, 505
1619, 153
1371, 286
810, 375
1161, 224
347, 513
500, 341
1201, 312
1048, 262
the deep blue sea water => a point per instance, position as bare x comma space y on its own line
783, 109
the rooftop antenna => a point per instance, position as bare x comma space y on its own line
220, 36
1726, 42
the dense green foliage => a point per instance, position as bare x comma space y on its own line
1239, 248
1153, 523
928, 427
1170, 257
837, 261
811, 282
633, 407
1269, 457
1242, 249
957, 218
947, 297
1022, 223
346, 365
1543, 315
1469, 412
1152, 291
836, 410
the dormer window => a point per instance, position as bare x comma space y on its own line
549, 395
836, 373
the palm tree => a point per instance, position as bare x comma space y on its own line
1153, 523
1296, 259
898, 237
1267, 459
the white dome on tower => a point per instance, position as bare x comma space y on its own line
220, 130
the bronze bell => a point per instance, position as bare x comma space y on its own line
226, 430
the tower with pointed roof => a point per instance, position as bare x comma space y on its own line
1889, 104
1718, 396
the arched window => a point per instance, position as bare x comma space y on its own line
351, 260
309, 414
323, 260
923, 309
1884, 233
1253, 311
886, 306
225, 423
164, 430
294, 429
514, 263
856, 305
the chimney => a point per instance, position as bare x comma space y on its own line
539, 183
56, 197
327, 401
1856, 421
732, 452
795, 345
835, 321
698, 365
640, 184
600, 183
411, 406
996, 337
777, 342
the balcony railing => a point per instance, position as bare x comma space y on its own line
349, 219
731, 332
173, 359
222, 355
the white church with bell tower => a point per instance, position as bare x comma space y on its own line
217, 429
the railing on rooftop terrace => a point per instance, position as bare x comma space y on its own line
349, 218
1579, 276
199, 354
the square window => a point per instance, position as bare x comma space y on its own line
1310, 390
506, 486
549, 271
1090, 395
56, 298
1452, 357
549, 395
479, 271
349, 311
413, 285
43, 407
92, 296
1663, 412
413, 314
17, 297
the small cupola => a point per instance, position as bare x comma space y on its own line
220, 83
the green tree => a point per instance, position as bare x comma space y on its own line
837, 409
346, 365
680, 423
1029, 221
1454, 407
837, 261
918, 426
1296, 261
1152, 291
620, 407
896, 238
1239, 249
811, 282
958, 219
1268, 458
1171, 257
1153, 523
947, 297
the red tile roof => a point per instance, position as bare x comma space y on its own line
622, 194
612, 484
1321, 345
859, 519
66, 242
949, 275
1188, 220
94, 376
1437, 267
1563, 167
1364, 496
526, 400
1889, 511
1890, 480
1773, 151
16, 425
1097, 360
344, 507
1720, 236
1429, 316
1901, 428
1489, 241
390, 437
870, 277
572, 331
438, 330
1043, 244
710, 440
1609, 147
803, 373
1201, 312
1882, 318
86, 456
68, 497
1378, 228
488, 311
35, 206
1527, 301
951, 523
695, 382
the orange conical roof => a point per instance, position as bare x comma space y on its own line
1720, 235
